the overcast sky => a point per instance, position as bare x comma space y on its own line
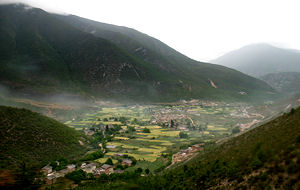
200, 29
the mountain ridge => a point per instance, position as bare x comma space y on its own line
261, 59
47, 53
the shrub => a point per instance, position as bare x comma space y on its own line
77, 176
256, 163
183, 135
146, 130
236, 130
109, 161
93, 156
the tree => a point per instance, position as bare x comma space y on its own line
146, 130
172, 123
135, 121
131, 129
139, 170
147, 171
77, 176
236, 130
123, 120
109, 161
93, 156
25, 177
183, 135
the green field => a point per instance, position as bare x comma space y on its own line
148, 148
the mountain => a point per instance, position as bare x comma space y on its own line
285, 82
266, 157
30, 137
261, 59
44, 53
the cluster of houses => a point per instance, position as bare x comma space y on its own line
52, 176
91, 131
186, 153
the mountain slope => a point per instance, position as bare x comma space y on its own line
35, 139
285, 82
48, 54
261, 59
45, 52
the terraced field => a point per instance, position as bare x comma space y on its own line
154, 150
145, 146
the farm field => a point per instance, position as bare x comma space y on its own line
200, 121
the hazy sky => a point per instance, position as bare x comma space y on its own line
200, 29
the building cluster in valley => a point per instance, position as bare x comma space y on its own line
89, 168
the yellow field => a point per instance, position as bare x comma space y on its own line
213, 128
118, 144
147, 157
122, 138
111, 123
103, 160
78, 128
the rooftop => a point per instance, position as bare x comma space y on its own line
106, 166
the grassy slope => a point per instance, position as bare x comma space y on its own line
33, 138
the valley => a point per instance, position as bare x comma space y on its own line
172, 127
88, 105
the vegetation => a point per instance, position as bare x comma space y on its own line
285, 82
236, 130
54, 63
59, 164
93, 156
35, 139
77, 176
146, 130
109, 161
265, 157
183, 135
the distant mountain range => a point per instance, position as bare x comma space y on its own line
258, 60
285, 82
43, 53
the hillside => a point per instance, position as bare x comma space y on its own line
285, 82
35, 139
266, 157
44, 53
261, 59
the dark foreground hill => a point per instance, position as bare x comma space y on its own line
261, 59
29, 137
49, 54
267, 157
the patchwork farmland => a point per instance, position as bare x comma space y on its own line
151, 133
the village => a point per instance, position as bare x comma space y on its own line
92, 168
152, 137
96, 170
